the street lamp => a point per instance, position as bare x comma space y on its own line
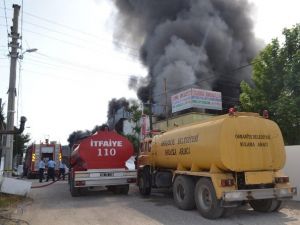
27, 50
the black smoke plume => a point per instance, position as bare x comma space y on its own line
115, 104
189, 43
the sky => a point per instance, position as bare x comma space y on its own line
66, 85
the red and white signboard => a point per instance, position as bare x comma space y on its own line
196, 98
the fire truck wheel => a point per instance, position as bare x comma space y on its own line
265, 205
144, 182
206, 200
183, 192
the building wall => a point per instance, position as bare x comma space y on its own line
128, 127
292, 167
180, 120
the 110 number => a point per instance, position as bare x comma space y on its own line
107, 152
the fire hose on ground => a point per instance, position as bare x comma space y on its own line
48, 184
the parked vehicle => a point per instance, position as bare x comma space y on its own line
218, 164
104, 159
36, 152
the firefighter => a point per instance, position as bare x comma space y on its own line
62, 170
51, 169
41, 170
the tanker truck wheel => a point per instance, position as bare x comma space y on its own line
183, 192
265, 205
144, 180
206, 200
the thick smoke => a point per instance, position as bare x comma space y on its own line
189, 43
115, 104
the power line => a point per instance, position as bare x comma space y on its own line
6, 23
62, 77
62, 65
20, 63
62, 33
214, 76
70, 43
77, 30
78, 65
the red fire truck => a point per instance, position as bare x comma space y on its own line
36, 152
104, 159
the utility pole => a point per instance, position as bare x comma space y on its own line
1, 127
14, 54
150, 109
166, 103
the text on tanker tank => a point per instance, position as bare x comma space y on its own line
180, 140
249, 140
106, 143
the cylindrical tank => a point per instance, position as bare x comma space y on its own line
243, 142
103, 150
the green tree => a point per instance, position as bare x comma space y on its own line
136, 114
276, 84
20, 145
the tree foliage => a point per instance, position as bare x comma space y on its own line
20, 140
136, 114
20, 143
276, 84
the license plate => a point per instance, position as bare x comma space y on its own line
94, 175
118, 174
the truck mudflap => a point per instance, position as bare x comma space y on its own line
94, 178
252, 194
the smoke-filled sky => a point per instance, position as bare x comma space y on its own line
199, 42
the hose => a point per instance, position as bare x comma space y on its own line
45, 185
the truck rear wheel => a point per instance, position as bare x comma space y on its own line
144, 180
206, 200
183, 192
265, 205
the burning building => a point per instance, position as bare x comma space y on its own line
189, 43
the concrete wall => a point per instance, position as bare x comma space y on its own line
180, 120
292, 167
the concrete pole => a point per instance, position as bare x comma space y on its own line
12, 92
150, 111
166, 102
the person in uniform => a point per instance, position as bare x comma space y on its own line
62, 170
51, 169
41, 170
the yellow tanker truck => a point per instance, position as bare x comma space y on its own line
218, 164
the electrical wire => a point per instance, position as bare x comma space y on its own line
20, 64
6, 23
74, 44
19, 89
22, 13
214, 76
79, 31
78, 65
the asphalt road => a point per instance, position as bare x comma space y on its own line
54, 205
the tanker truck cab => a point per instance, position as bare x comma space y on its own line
218, 164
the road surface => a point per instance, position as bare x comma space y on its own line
54, 205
